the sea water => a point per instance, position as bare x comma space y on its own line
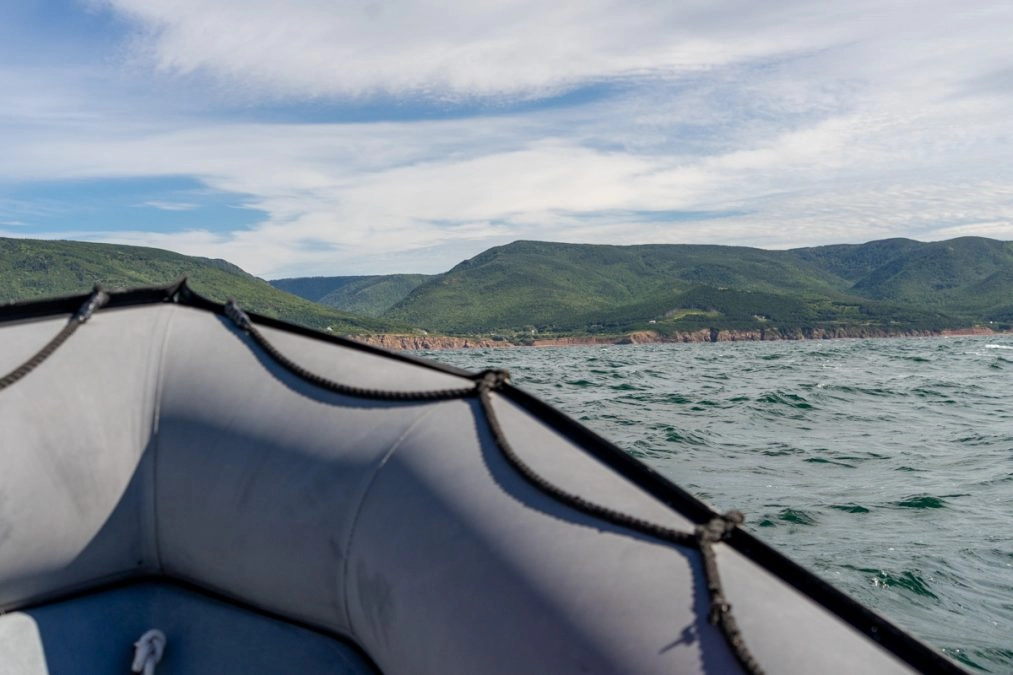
885, 466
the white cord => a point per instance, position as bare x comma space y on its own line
148, 651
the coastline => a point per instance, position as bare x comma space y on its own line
439, 342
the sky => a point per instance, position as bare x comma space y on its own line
332, 137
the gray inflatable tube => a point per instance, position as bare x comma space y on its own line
272, 500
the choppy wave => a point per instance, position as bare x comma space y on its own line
883, 465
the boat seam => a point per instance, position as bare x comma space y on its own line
361, 505
155, 438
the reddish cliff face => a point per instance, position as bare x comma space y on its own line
977, 330
427, 342
434, 342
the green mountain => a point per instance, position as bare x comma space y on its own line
32, 268
892, 285
573, 288
969, 278
367, 295
852, 262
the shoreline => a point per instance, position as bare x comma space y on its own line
440, 342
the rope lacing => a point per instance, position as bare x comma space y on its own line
242, 322
703, 537
97, 299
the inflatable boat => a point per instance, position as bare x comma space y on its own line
188, 488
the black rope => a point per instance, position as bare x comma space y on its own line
96, 300
702, 538
243, 323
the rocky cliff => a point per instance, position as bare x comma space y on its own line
427, 342
436, 342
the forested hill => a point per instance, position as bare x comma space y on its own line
31, 268
892, 285
368, 295
527, 287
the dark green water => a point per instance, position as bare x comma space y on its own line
886, 466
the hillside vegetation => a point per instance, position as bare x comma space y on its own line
367, 295
32, 268
527, 287
531, 288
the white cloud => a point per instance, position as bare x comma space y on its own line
170, 206
785, 123
526, 47
341, 197
454, 47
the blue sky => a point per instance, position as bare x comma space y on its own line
321, 137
